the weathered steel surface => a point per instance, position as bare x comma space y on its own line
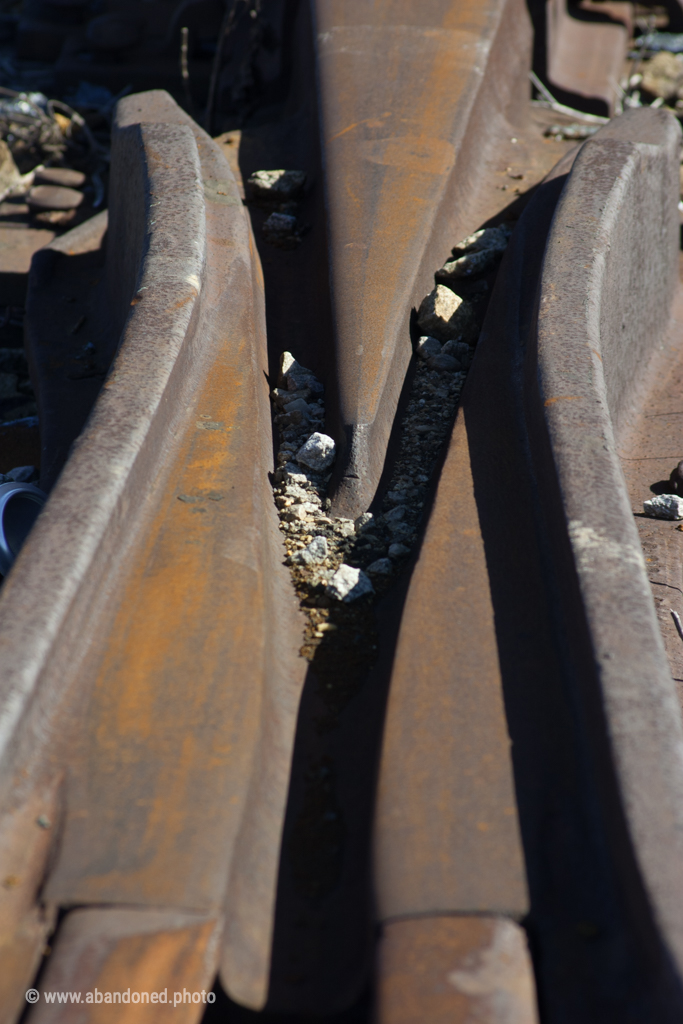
130, 954
607, 285
589, 701
452, 970
586, 57
148, 633
414, 99
447, 835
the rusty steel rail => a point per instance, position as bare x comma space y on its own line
519, 721
549, 603
149, 643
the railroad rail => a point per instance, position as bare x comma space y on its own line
466, 787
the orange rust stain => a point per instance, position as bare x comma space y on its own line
170, 960
562, 398
177, 697
412, 159
183, 302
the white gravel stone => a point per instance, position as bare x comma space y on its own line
381, 566
444, 315
362, 521
465, 266
348, 584
475, 254
290, 473
427, 347
317, 551
318, 452
295, 377
295, 491
486, 238
299, 494
300, 512
664, 506
345, 527
276, 186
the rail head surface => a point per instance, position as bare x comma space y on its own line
179, 611
413, 99
607, 285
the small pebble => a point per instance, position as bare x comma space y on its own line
300, 512
400, 531
444, 315
398, 550
486, 238
348, 584
278, 224
54, 197
475, 254
427, 347
395, 514
460, 350
345, 527
443, 363
59, 176
664, 506
381, 566
363, 520
318, 452
317, 551
676, 478
295, 377
276, 186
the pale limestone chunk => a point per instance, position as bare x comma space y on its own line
348, 584
664, 506
317, 453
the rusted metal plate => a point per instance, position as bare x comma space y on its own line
149, 635
413, 99
452, 970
